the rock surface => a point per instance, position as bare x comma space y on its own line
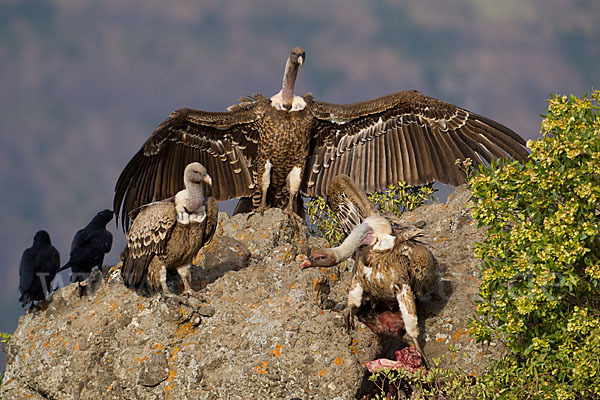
258, 327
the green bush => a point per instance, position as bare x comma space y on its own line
396, 199
436, 383
540, 273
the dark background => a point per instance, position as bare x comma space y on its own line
83, 84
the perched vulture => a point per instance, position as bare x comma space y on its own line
161, 240
89, 246
272, 148
39, 264
390, 264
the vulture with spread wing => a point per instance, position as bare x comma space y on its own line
269, 149
390, 264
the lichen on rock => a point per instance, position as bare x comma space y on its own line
257, 327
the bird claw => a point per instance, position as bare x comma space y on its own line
260, 209
421, 352
180, 299
293, 216
349, 314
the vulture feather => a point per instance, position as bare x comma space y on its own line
268, 149
168, 234
38, 267
390, 264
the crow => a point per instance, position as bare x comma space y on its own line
89, 246
39, 264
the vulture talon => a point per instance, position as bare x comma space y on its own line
180, 299
421, 352
349, 315
295, 218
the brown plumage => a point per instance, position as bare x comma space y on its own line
390, 264
159, 241
270, 149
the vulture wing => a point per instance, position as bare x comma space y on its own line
349, 204
147, 237
404, 136
224, 142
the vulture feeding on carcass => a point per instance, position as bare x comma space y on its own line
390, 264
38, 267
267, 150
89, 246
168, 234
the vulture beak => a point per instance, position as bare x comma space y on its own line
208, 180
300, 60
306, 263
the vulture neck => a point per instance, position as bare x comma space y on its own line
195, 195
289, 80
352, 242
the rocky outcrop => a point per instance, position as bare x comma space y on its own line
258, 327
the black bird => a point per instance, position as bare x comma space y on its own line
89, 246
38, 267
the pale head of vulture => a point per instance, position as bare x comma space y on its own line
285, 99
196, 174
320, 258
189, 202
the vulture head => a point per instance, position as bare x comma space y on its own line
298, 55
320, 258
195, 174
285, 99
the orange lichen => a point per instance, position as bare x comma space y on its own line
113, 306
276, 352
338, 361
172, 375
184, 329
458, 334
322, 372
262, 369
157, 346
141, 360
168, 388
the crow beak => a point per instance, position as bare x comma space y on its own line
208, 180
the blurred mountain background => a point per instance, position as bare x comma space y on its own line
84, 84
